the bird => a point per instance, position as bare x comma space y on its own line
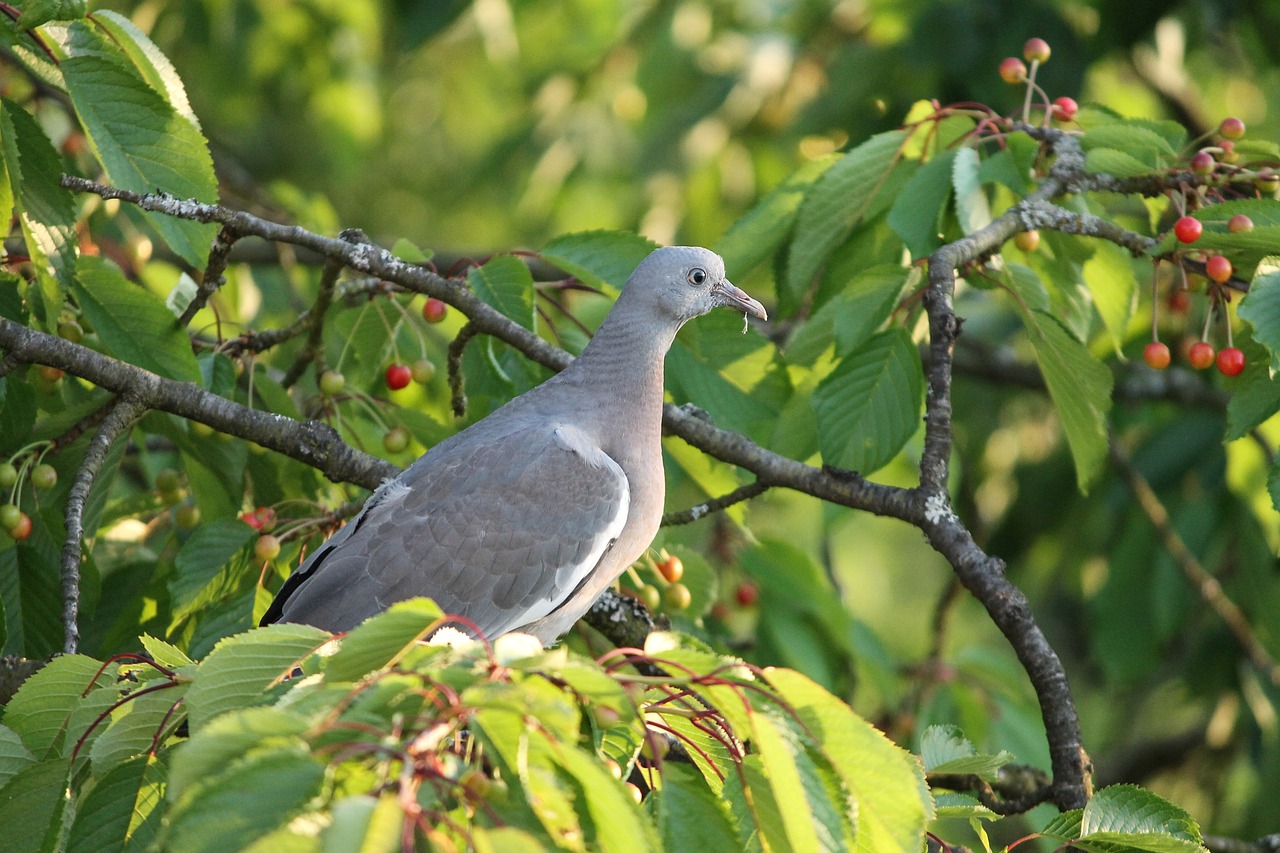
522, 520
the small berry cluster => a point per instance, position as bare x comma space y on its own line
24, 466
674, 596
1015, 72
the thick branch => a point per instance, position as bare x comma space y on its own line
311, 442
123, 412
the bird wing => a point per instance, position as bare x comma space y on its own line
500, 529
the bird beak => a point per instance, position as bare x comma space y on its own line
737, 299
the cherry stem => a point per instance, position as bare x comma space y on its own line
1155, 298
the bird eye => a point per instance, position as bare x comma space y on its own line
697, 275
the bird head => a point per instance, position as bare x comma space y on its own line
687, 282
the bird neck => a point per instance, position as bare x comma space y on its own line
628, 356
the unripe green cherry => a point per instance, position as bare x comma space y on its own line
44, 476
8, 475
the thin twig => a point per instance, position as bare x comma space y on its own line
702, 510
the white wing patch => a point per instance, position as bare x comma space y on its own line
574, 440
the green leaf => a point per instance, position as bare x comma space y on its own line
32, 806
1144, 143
210, 547
135, 727
598, 258
45, 210
1012, 165
151, 63
143, 142
123, 805
1273, 486
1136, 818
919, 207
407, 250
37, 12
1025, 284
945, 749
365, 824
134, 324
14, 755
240, 668
690, 815
1261, 310
1109, 275
811, 821
972, 208
1080, 387
758, 234
42, 708
885, 780
1118, 164
382, 639
869, 406
229, 738
845, 194
235, 809
1256, 393
505, 284
614, 817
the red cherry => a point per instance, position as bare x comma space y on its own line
1239, 223
1156, 355
1200, 355
1013, 70
1231, 128
22, 529
1188, 229
398, 376
433, 310
671, 568
1179, 301
1065, 109
746, 594
1218, 268
1230, 362
1036, 50
1203, 163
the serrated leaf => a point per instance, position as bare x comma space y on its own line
1109, 276
39, 12
810, 820
241, 667
850, 318
758, 234
226, 740
841, 198
235, 809
599, 258
1133, 812
945, 749
1011, 165
885, 780
1080, 387
135, 727
143, 142
918, 208
1025, 284
951, 804
1255, 395
134, 325
409, 251
616, 821
119, 803
14, 755
1118, 164
972, 208
505, 284
1144, 143
34, 801
382, 639
42, 708
690, 816
869, 406
45, 210
203, 555
151, 63
1261, 310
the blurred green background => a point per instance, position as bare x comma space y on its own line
476, 127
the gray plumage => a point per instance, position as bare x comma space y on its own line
521, 521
